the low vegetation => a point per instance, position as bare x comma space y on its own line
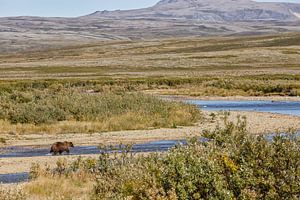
246, 85
176, 57
56, 111
16, 193
230, 164
110, 86
86, 106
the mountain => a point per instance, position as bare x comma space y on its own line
168, 18
212, 10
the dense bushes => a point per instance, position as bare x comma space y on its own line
110, 110
229, 165
256, 85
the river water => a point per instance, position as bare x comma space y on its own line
279, 107
287, 107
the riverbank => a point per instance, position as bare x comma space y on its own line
271, 123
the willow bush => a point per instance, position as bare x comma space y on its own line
111, 110
230, 164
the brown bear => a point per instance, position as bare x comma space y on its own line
60, 147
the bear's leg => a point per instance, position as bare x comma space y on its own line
60, 152
68, 151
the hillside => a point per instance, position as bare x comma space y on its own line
218, 56
168, 18
212, 10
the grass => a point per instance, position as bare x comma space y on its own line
231, 165
245, 85
216, 66
72, 187
101, 87
16, 193
54, 110
87, 106
178, 57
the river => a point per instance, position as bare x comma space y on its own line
282, 107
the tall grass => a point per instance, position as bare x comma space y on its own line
74, 111
232, 164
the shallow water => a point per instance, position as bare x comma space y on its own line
290, 108
157, 146
14, 178
280, 107
18, 152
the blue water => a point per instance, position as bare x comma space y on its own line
280, 107
289, 108
14, 178
157, 146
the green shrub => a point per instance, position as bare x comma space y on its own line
112, 111
231, 164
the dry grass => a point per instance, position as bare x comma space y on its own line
12, 193
232, 165
128, 121
217, 66
60, 188
255, 66
42, 111
178, 57
272, 123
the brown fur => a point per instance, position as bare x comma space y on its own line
60, 147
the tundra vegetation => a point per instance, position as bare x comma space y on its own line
109, 86
211, 66
87, 106
70, 110
158, 58
231, 164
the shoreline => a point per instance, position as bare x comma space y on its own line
230, 98
257, 123
272, 123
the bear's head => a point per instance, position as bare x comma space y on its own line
69, 144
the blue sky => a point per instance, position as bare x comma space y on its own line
69, 8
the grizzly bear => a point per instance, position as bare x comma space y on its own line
60, 147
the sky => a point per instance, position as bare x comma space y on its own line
72, 8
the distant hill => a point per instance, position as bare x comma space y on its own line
168, 18
212, 10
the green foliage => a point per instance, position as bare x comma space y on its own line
230, 165
44, 107
254, 85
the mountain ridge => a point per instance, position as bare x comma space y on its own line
213, 10
167, 18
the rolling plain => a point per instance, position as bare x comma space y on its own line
123, 91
